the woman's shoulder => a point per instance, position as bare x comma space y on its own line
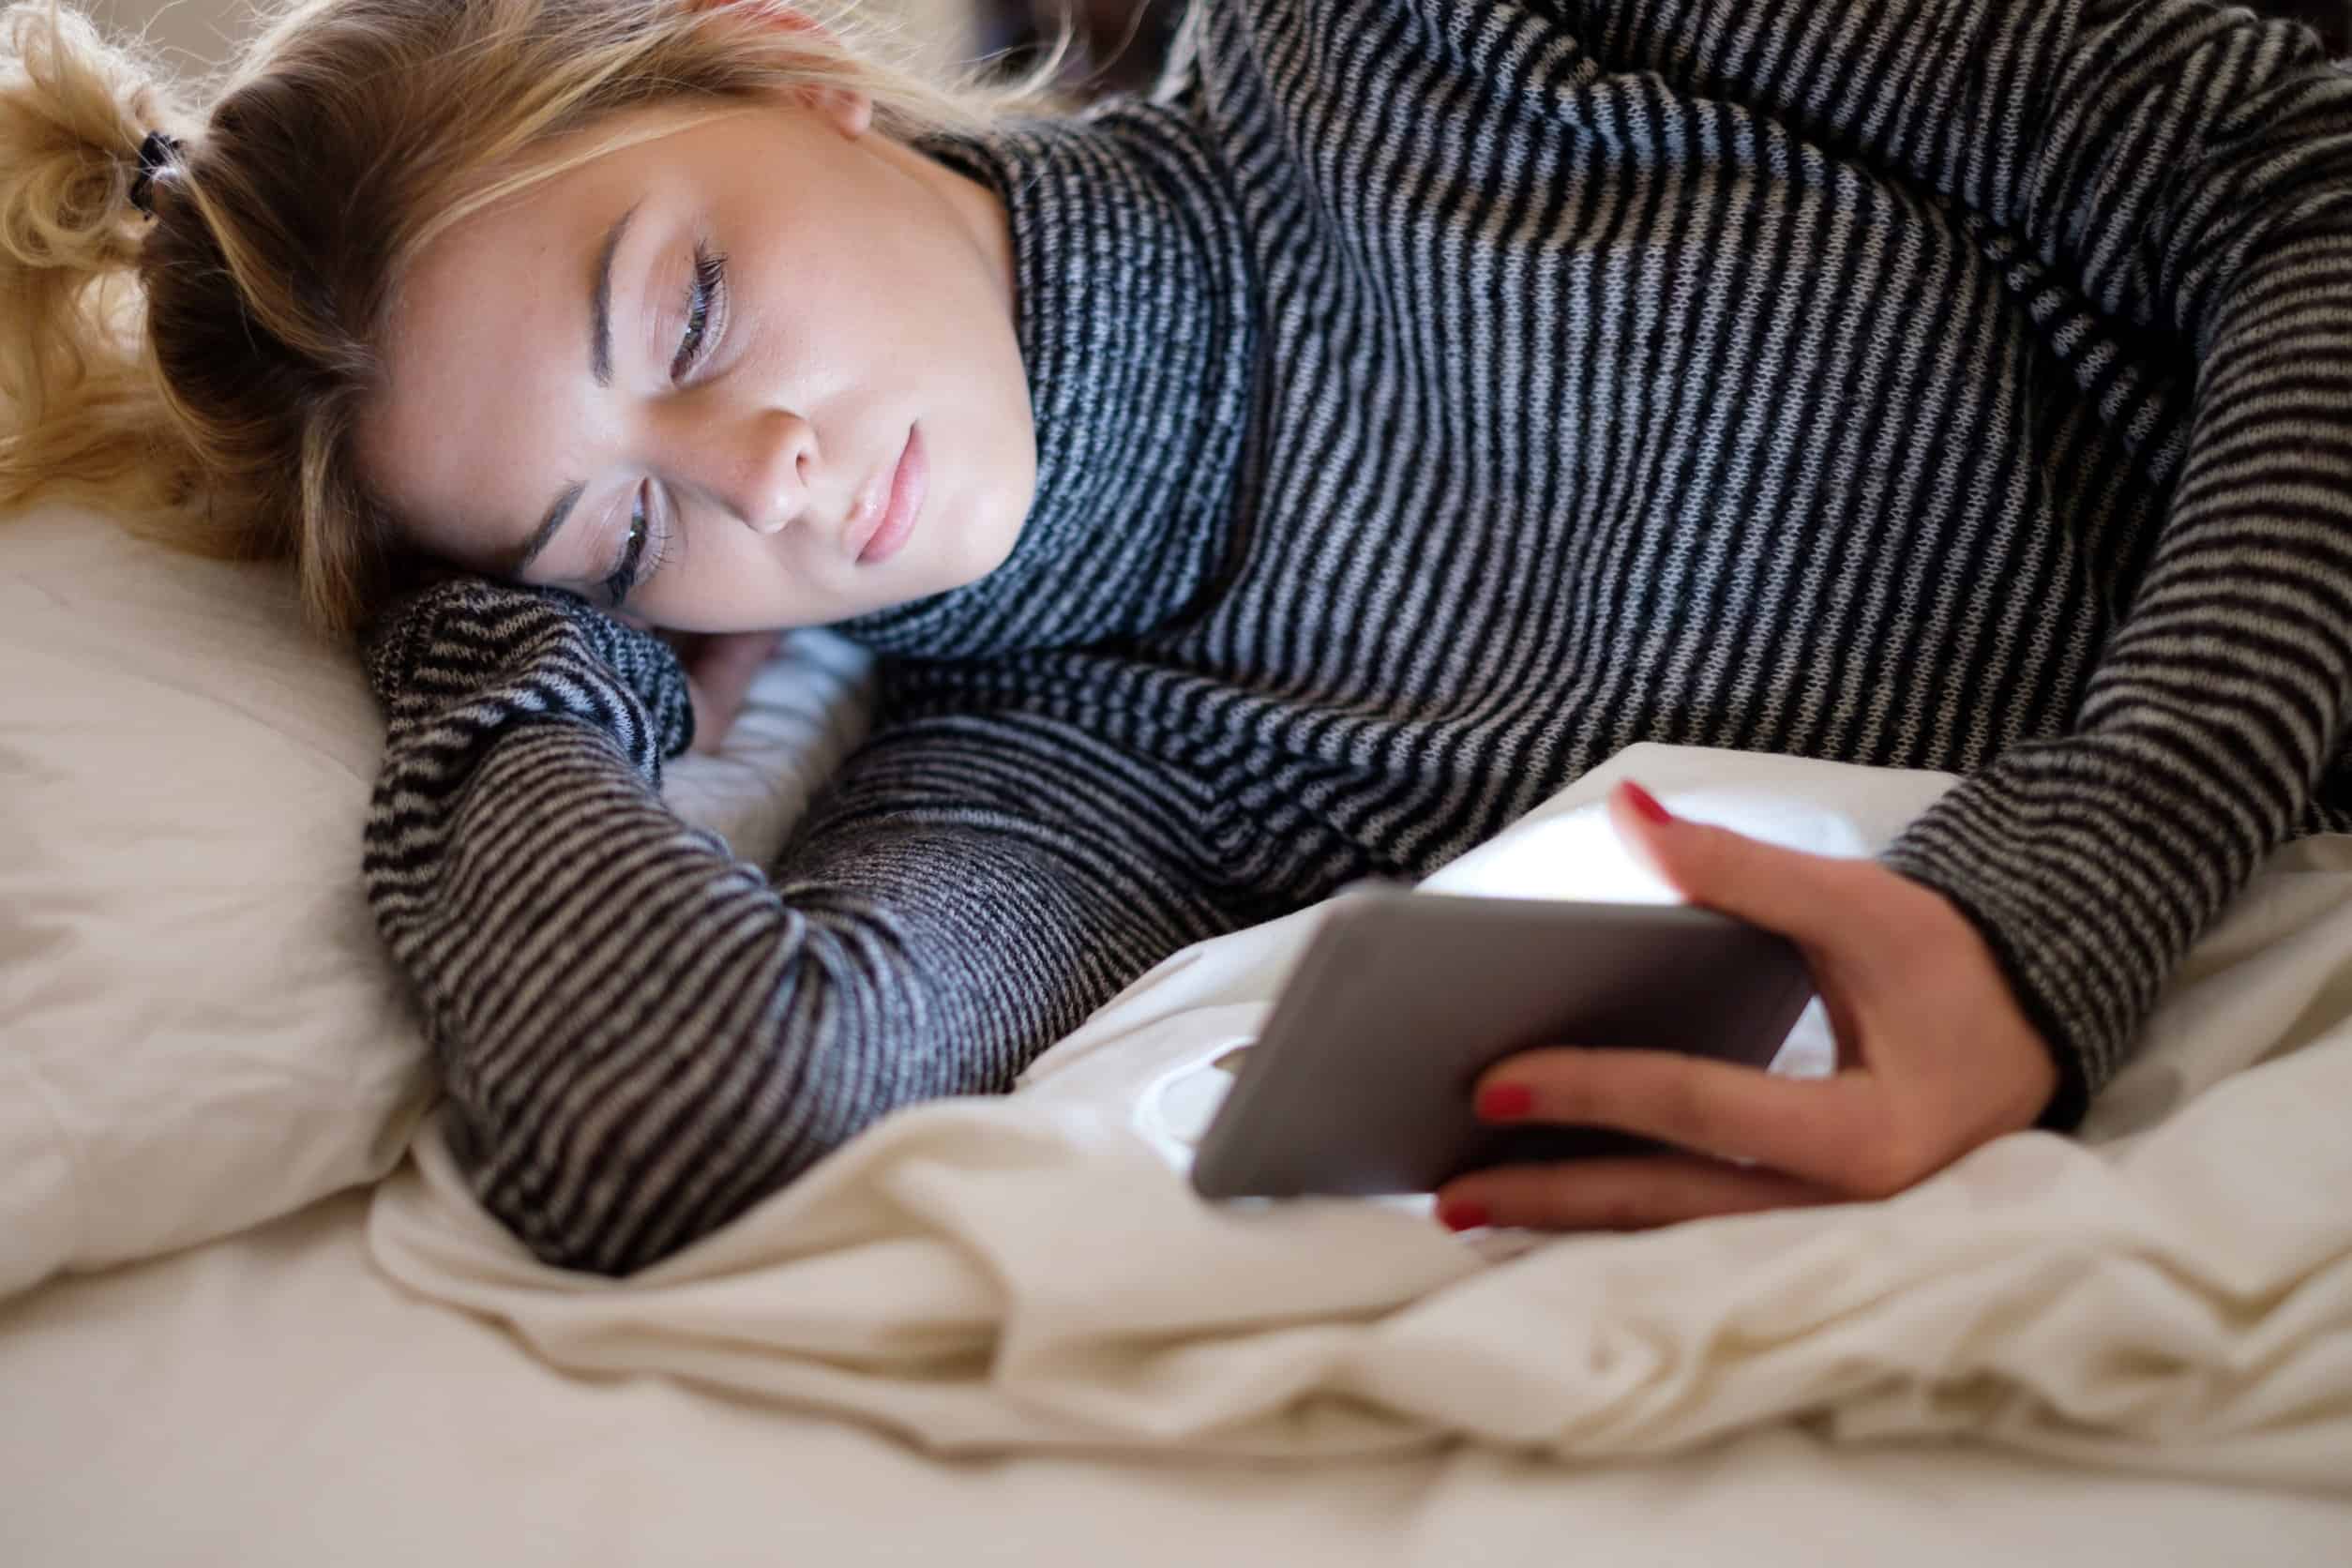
1354, 18
1329, 39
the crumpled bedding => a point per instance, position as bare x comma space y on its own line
2170, 1292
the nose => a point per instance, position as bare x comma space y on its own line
756, 464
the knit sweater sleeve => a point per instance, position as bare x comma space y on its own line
2188, 170
641, 1034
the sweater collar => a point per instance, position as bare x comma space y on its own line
1136, 325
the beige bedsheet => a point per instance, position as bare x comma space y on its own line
1032, 1275
275, 1398
272, 1401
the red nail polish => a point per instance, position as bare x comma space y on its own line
1460, 1216
1504, 1102
1644, 803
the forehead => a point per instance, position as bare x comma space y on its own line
474, 354
485, 408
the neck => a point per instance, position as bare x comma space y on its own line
1122, 250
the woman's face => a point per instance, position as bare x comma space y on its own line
696, 363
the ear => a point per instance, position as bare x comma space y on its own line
851, 112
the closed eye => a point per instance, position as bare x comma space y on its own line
645, 536
706, 318
706, 313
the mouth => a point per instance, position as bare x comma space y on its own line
906, 486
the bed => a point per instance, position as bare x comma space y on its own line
248, 1314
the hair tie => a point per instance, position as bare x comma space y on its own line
154, 152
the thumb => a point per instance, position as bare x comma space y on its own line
1783, 890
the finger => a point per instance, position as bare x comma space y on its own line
1829, 1130
1617, 1194
707, 729
1808, 898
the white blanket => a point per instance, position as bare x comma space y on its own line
2172, 1292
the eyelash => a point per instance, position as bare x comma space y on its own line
627, 577
706, 310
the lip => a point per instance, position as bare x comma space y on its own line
909, 481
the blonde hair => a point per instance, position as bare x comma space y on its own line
199, 373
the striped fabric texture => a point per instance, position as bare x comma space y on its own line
1434, 397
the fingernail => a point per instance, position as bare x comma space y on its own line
1506, 1102
1644, 803
1459, 1215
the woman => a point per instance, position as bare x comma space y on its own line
1288, 477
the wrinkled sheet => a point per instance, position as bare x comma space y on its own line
272, 1401
2170, 1293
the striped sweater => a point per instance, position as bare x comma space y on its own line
1432, 399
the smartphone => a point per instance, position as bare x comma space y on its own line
1360, 1081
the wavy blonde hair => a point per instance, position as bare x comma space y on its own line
199, 373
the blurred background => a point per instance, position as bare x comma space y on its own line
1124, 41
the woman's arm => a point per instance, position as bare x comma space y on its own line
2188, 168
642, 1035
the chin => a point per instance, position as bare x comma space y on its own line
999, 555
978, 551
995, 538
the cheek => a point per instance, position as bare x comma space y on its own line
726, 578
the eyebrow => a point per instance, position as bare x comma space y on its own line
599, 365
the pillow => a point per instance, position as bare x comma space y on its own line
199, 1029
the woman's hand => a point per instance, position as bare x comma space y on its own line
1934, 1056
512, 654
719, 669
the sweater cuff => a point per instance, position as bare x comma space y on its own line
650, 669
2088, 882
507, 654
